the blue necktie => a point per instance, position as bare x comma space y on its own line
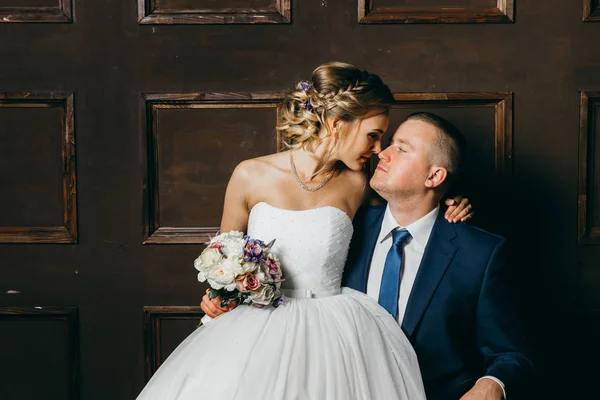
390, 282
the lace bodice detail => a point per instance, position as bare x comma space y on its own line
312, 245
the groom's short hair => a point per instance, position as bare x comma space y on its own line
449, 149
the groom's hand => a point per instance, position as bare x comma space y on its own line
485, 389
212, 307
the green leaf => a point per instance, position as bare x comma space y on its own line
214, 293
226, 301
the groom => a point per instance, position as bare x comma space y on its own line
446, 284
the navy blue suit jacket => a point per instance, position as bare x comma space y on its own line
460, 317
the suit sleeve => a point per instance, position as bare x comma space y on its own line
500, 335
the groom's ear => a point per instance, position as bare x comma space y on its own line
437, 176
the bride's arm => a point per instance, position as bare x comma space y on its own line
459, 209
235, 208
235, 218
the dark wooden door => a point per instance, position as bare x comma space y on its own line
121, 121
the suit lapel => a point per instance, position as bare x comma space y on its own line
436, 259
371, 232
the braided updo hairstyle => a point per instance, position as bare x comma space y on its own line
336, 90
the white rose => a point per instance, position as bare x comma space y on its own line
263, 296
234, 235
223, 274
233, 246
206, 261
248, 267
227, 235
210, 257
234, 264
231, 243
264, 275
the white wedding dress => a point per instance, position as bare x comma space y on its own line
323, 343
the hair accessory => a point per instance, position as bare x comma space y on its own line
304, 85
307, 106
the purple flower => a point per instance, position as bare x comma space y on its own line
304, 85
307, 106
278, 301
253, 251
254, 241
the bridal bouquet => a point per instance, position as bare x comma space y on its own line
240, 268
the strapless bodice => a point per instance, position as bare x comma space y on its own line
312, 246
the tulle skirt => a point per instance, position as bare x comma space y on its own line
338, 347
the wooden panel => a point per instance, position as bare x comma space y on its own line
165, 327
402, 12
436, 3
486, 121
28, 3
546, 59
589, 273
500, 103
216, 5
30, 143
40, 353
169, 12
585, 328
192, 143
591, 10
589, 169
35, 195
60, 11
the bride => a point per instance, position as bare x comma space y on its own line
324, 342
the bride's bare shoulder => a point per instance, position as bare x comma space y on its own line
259, 166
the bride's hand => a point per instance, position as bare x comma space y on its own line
459, 209
213, 308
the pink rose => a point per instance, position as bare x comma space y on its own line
274, 268
247, 283
216, 245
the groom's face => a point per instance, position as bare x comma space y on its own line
405, 164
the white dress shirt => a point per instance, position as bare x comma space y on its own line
420, 230
411, 259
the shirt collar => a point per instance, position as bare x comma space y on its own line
420, 230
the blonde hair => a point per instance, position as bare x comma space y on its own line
336, 90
